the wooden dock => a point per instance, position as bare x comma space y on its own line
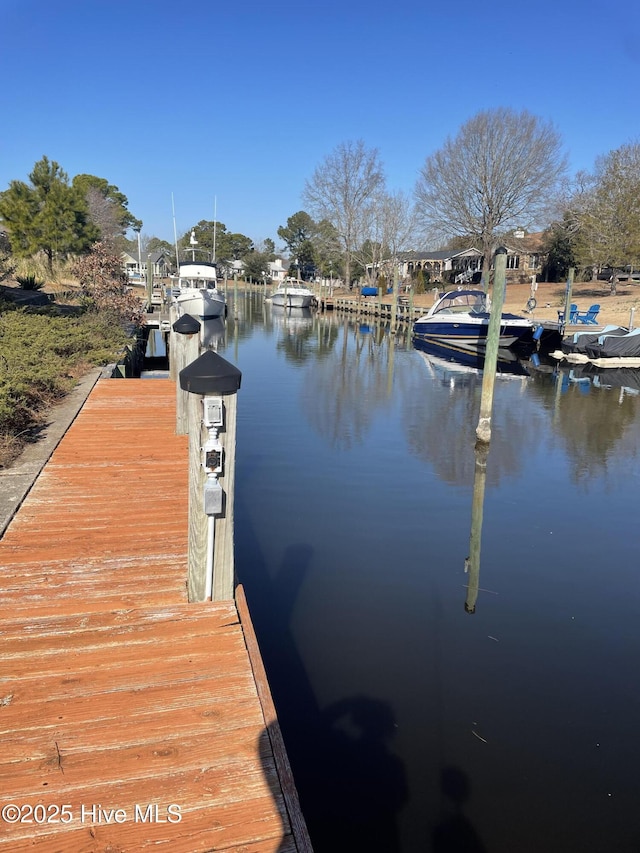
370, 306
129, 718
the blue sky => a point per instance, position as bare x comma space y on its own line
240, 101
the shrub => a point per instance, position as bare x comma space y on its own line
41, 356
30, 282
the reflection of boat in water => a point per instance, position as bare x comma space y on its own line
462, 317
589, 374
211, 332
611, 347
292, 318
451, 360
292, 294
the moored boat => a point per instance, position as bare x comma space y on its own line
292, 294
197, 292
612, 346
461, 317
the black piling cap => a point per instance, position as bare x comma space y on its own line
210, 374
501, 250
186, 325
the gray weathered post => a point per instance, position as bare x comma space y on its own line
394, 296
212, 384
472, 563
185, 349
567, 301
173, 316
483, 430
149, 282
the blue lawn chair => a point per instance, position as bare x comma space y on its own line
573, 314
588, 317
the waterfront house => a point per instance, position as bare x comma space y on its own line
136, 267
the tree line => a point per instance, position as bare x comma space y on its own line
503, 170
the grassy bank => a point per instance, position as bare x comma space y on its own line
42, 354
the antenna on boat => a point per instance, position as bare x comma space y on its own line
175, 234
215, 208
193, 243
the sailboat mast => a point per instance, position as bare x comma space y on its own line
215, 213
175, 234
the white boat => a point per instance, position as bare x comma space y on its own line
292, 294
461, 317
197, 291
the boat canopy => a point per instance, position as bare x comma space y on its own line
461, 300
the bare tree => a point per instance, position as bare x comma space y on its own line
400, 223
388, 227
340, 190
104, 215
500, 171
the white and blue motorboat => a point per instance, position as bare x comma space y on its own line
461, 317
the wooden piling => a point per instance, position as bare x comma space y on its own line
185, 349
567, 301
483, 430
394, 298
210, 375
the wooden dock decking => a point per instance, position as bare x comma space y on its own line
370, 306
129, 718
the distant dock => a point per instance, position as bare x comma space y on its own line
369, 306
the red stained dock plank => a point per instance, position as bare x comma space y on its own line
115, 692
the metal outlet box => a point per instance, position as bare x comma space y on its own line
212, 497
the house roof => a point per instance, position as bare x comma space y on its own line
437, 255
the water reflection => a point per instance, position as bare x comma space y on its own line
472, 563
455, 832
452, 364
212, 333
354, 488
440, 427
350, 384
351, 377
591, 413
366, 783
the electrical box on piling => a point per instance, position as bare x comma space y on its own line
213, 412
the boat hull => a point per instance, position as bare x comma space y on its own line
201, 303
467, 333
292, 300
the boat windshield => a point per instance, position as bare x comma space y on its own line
463, 302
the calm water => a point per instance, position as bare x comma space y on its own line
426, 708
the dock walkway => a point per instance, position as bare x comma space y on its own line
129, 718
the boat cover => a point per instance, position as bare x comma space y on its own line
612, 346
580, 341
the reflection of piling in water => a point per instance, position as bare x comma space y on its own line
472, 563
